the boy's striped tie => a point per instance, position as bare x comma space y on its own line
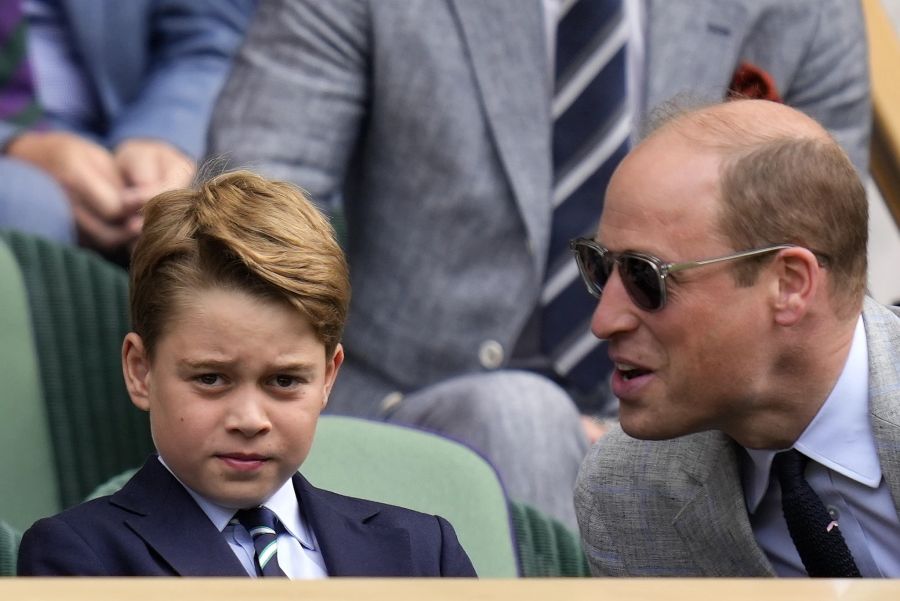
260, 522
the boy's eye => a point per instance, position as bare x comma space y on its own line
284, 381
209, 379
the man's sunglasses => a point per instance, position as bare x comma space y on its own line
644, 276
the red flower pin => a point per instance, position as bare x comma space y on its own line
751, 81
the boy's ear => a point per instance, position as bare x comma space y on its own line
136, 369
332, 366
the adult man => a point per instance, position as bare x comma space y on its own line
432, 120
127, 89
720, 364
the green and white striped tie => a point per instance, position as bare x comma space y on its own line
260, 522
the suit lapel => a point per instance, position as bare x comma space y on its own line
883, 340
162, 508
506, 47
350, 545
713, 523
692, 48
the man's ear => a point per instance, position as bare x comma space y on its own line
798, 278
332, 367
136, 369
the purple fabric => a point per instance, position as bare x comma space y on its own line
17, 92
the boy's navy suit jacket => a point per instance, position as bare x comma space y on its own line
152, 527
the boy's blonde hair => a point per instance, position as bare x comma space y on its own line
238, 231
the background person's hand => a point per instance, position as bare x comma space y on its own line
150, 166
90, 176
594, 429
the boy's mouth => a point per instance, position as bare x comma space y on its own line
243, 461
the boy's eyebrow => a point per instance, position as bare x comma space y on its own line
206, 363
295, 366
287, 365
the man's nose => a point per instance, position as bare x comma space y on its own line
615, 312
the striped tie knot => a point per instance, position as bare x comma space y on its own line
261, 523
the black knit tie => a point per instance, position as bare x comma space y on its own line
817, 537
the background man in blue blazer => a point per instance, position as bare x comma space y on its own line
126, 90
432, 121
235, 349
760, 389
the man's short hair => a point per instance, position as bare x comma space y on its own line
806, 192
238, 231
786, 181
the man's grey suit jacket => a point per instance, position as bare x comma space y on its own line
431, 120
676, 508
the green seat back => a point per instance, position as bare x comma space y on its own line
546, 547
79, 311
9, 549
27, 470
421, 471
413, 469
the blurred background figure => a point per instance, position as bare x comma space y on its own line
106, 104
467, 141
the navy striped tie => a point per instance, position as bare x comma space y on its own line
18, 100
260, 522
591, 127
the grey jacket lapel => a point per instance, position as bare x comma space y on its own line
883, 339
691, 48
506, 46
713, 523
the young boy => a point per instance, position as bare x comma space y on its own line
239, 293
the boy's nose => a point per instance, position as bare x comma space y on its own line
247, 415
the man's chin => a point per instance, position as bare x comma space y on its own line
644, 426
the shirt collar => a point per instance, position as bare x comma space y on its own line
839, 437
283, 503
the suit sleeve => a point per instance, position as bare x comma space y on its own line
832, 84
454, 560
294, 102
193, 42
52, 548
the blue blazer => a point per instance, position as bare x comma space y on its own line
155, 67
152, 527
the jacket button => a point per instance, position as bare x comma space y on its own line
391, 400
490, 354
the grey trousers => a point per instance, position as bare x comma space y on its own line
31, 201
